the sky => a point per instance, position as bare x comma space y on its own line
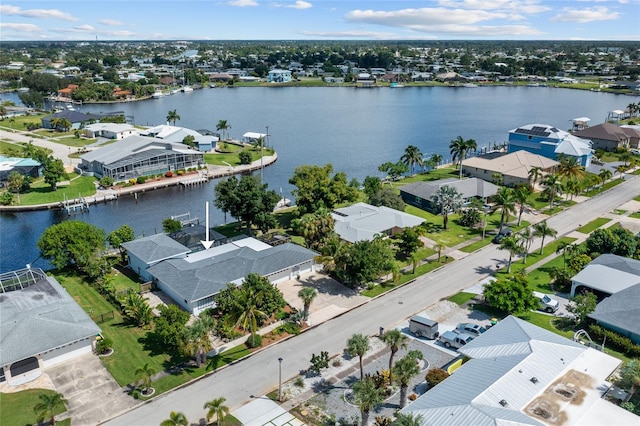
320, 20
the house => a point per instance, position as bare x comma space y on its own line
513, 168
192, 279
520, 374
550, 142
115, 131
40, 325
174, 134
609, 137
419, 194
139, 155
620, 312
633, 131
364, 79
24, 166
362, 222
279, 76
76, 118
607, 274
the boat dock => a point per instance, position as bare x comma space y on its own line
79, 205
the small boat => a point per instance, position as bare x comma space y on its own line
174, 91
396, 85
157, 95
533, 85
212, 85
186, 89
469, 85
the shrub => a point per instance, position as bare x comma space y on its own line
180, 172
288, 327
299, 382
168, 174
318, 362
254, 341
615, 340
244, 157
106, 181
337, 362
435, 376
141, 179
132, 181
103, 345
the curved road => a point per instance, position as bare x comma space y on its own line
258, 374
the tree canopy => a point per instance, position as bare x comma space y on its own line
363, 262
71, 243
316, 188
614, 240
510, 294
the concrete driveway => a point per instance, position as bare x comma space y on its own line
333, 298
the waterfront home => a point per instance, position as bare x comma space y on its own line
279, 76
362, 222
76, 118
192, 279
40, 325
204, 140
605, 275
550, 142
115, 131
138, 155
520, 374
512, 168
24, 166
419, 194
609, 137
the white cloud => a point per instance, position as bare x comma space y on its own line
10, 10
350, 34
242, 3
300, 4
27, 28
522, 6
111, 22
590, 14
422, 17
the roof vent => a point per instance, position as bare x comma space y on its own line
504, 402
534, 380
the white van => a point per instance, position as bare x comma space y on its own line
546, 303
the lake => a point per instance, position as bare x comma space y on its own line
354, 129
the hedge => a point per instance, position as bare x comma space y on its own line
615, 340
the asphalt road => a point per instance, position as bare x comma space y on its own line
258, 374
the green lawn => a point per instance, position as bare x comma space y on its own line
17, 408
41, 192
233, 157
461, 298
593, 225
535, 256
476, 245
18, 122
635, 215
404, 278
599, 189
72, 141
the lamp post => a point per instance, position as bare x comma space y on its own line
279, 379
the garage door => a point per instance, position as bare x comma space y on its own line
280, 276
67, 352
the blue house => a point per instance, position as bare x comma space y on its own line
279, 76
550, 142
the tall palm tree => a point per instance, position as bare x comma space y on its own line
395, 340
247, 312
307, 294
436, 159
367, 396
511, 245
198, 337
534, 174
216, 408
412, 157
49, 403
604, 175
358, 344
553, 187
521, 194
621, 169
448, 200
176, 418
145, 377
409, 419
459, 148
172, 117
567, 249
525, 239
405, 369
543, 230
505, 200
224, 126
569, 168
332, 250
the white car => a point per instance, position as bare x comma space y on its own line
635, 151
546, 303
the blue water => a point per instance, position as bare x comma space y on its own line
354, 129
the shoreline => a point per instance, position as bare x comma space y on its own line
106, 195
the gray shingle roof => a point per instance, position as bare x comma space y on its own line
472, 187
621, 309
609, 273
206, 277
40, 318
363, 221
155, 248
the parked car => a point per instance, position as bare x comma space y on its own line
635, 151
455, 339
469, 328
504, 232
546, 303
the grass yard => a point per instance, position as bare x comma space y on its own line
19, 122
593, 225
437, 174
476, 245
233, 157
635, 215
535, 256
17, 408
72, 141
599, 189
461, 298
41, 192
404, 278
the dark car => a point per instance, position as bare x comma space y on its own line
504, 232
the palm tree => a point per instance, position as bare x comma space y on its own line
436, 159
505, 199
626, 157
216, 408
410, 419
459, 148
176, 418
542, 229
448, 199
412, 157
145, 376
224, 126
247, 312
333, 248
395, 340
521, 194
198, 337
438, 247
367, 396
567, 249
358, 344
534, 174
172, 117
511, 245
621, 169
415, 261
525, 239
553, 187
604, 175
569, 168
49, 403
405, 369
307, 294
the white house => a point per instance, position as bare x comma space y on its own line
279, 76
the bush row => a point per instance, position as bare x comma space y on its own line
615, 340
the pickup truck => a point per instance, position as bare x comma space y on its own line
455, 339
